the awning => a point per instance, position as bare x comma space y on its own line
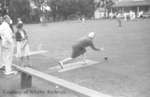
132, 3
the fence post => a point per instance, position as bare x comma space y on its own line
26, 80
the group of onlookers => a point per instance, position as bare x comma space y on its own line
131, 15
13, 43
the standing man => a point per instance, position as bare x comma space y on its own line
119, 19
9, 21
79, 48
7, 46
1, 52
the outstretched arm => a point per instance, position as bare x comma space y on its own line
93, 47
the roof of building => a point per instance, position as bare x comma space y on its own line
129, 3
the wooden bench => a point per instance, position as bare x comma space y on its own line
26, 82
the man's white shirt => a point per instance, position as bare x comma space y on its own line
6, 33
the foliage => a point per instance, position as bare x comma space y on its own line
65, 8
19, 9
61, 9
104, 4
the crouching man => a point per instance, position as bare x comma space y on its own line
79, 48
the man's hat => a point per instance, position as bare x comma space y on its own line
19, 24
91, 34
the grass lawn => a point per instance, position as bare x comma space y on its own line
126, 74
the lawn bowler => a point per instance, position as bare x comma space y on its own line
79, 48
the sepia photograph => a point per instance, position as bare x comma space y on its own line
74, 48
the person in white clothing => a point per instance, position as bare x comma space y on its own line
9, 21
7, 46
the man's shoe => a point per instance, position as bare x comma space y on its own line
1, 66
61, 64
11, 72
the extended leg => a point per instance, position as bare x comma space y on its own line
64, 61
22, 61
84, 58
7, 57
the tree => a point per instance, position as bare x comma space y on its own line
109, 4
19, 9
105, 4
65, 8
61, 9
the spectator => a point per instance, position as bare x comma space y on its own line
79, 48
22, 44
7, 46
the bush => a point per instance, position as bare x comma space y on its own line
61, 10
69, 8
19, 9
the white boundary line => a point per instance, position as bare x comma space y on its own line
36, 52
66, 84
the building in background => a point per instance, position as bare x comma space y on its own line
138, 7
99, 13
103, 8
